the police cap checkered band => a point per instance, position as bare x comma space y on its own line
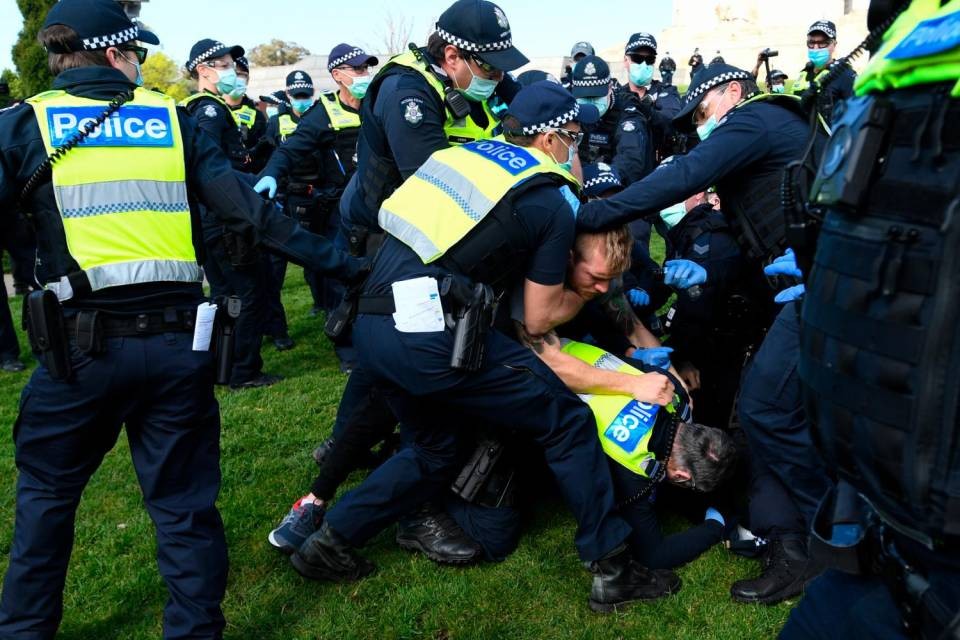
602, 178
300, 85
353, 53
591, 82
112, 40
209, 49
474, 47
697, 92
552, 123
638, 40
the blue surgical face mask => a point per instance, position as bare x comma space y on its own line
602, 103
672, 215
641, 74
358, 88
300, 105
778, 88
480, 88
226, 80
704, 130
571, 154
136, 63
819, 57
272, 111
240, 89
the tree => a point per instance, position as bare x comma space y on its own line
28, 55
396, 33
161, 73
277, 53
9, 87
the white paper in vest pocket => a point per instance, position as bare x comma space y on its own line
203, 327
418, 308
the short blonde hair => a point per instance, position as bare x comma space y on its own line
616, 244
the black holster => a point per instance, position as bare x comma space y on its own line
339, 321
240, 248
44, 323
488, 476
473, 320
228, 310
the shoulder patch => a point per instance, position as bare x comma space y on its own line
210, 111
629, 126
412, 112
630, 109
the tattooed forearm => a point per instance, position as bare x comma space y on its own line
539, 344
618, 309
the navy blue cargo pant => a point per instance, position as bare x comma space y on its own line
162, 391
513, 389
789, 478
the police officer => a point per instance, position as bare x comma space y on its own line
821, 50
232, 260
250, 120
659, 102
696, 67
777, 82
425, 100
322, 154
432, 234
747, 139
668, 66
622, 138
577, 53
126, 285
878, 380
273, 102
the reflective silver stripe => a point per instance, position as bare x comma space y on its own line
408, 235
99, 198
127, 273
457, 187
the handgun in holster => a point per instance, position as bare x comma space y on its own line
240, 248
339, 321
474, 317
488, 477
357, 241
44, 323
228, 310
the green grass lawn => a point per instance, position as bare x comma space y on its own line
114, 591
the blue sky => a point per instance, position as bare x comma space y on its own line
540, 27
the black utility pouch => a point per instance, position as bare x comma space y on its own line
43, 321
88, 332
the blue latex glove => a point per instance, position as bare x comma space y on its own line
683, 274
785, 265
658, 357
789, 295
716, 516
638, 297
267, 184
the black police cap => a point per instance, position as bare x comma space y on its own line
591, 78
530, 76
346, 54
277, 98
545, 105
99, 24
825, 27
712, 76
482, 28
208, 49
598, 178
640, 40
299, 83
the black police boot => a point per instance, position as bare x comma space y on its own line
436, 535
787, 569
619, 579
326, 556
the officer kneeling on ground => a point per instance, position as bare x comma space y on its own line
500, 218
118, 257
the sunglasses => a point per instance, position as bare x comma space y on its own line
639, 58
485, 66
140, 52
576, 138
361, 69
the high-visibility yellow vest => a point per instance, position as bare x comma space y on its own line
784, 100
286, 126
458, 131
921, 47
122, 192
455, 189
339, 117
203, 94
624, 425
245, 116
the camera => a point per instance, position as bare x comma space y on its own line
768, 53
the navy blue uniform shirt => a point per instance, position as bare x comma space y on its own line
548, 223
216, 120
211, 181
622, 139
750, 143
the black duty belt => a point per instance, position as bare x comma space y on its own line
111, 325
384, 305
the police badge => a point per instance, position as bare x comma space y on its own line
629, 126
412, 113
590, 69
210, 111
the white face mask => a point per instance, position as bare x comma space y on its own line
672, 215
